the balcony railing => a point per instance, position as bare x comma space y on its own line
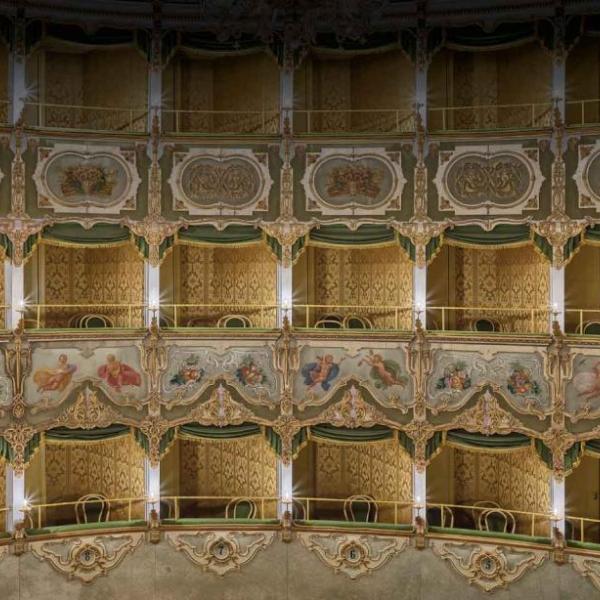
48, 316
352, 316
582, 112
221, 122
86, 118
490, 116
219, 315
489, 319
357, 120
582, 321
219, 507
487, 516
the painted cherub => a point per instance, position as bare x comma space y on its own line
57, 379
385, 372
118, 374
321, 372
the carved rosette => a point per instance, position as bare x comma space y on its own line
587, 566
220, 551
351, 554
486, 565
87, 558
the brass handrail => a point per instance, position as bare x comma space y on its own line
266, 116
530, 106
38, 308
263, 310
403, 118
260, 500
581, 521
581, 104
580, 313
29, 508
535, 516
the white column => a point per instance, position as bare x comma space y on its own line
285, 485
557, 296
286, 96
15, 293
557, 496
152, 487
419, 481
15, 497
420, 293
154, 94
421, 92
559, 83
17, 86
151, 292
284, 293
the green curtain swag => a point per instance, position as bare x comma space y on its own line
74, 234
165, 441
592, 448
97, 434
474, 38
207, 235
501, 236
330, 433
103, 36
228, 432
6, 245
511, 441
5, 451
340, 235
144, 248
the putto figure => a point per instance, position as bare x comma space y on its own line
56, 379
118, 374
320, 373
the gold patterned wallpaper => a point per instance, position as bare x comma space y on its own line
233, 468
114, 468
507, 277
369, 277
237, 276
515, 480
380, 469
86, 275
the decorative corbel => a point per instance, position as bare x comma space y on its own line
558, 440
154, 427
420, 230
154, 527
420, 432
154, 363
286, 230
18, 363
154, 228
558, 228
286, 427
18, 436
18, 231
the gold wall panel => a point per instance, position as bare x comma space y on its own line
237, 467
513, 277
381, 469
515, 480
234, 276
87, 275
114, 468
370, 277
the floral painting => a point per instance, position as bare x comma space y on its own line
455, 378
520, 381
188, 372
249, 373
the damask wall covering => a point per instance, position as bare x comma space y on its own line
516, 277
217, 275
234, 468
368, 277
69, 275
2, 492
114, 468
379, 469
515, 480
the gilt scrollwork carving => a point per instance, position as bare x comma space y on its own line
154, 363
221, 552
587, 566
88, 412
352, 411
221, 409
18, 363
353, 555
87, 558
488, 566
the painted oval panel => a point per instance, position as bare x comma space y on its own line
592, 174
366, 181
502, 179
97, 179
232, 181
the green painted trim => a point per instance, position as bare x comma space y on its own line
355, 525
87, 527
220, 521
490, 534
